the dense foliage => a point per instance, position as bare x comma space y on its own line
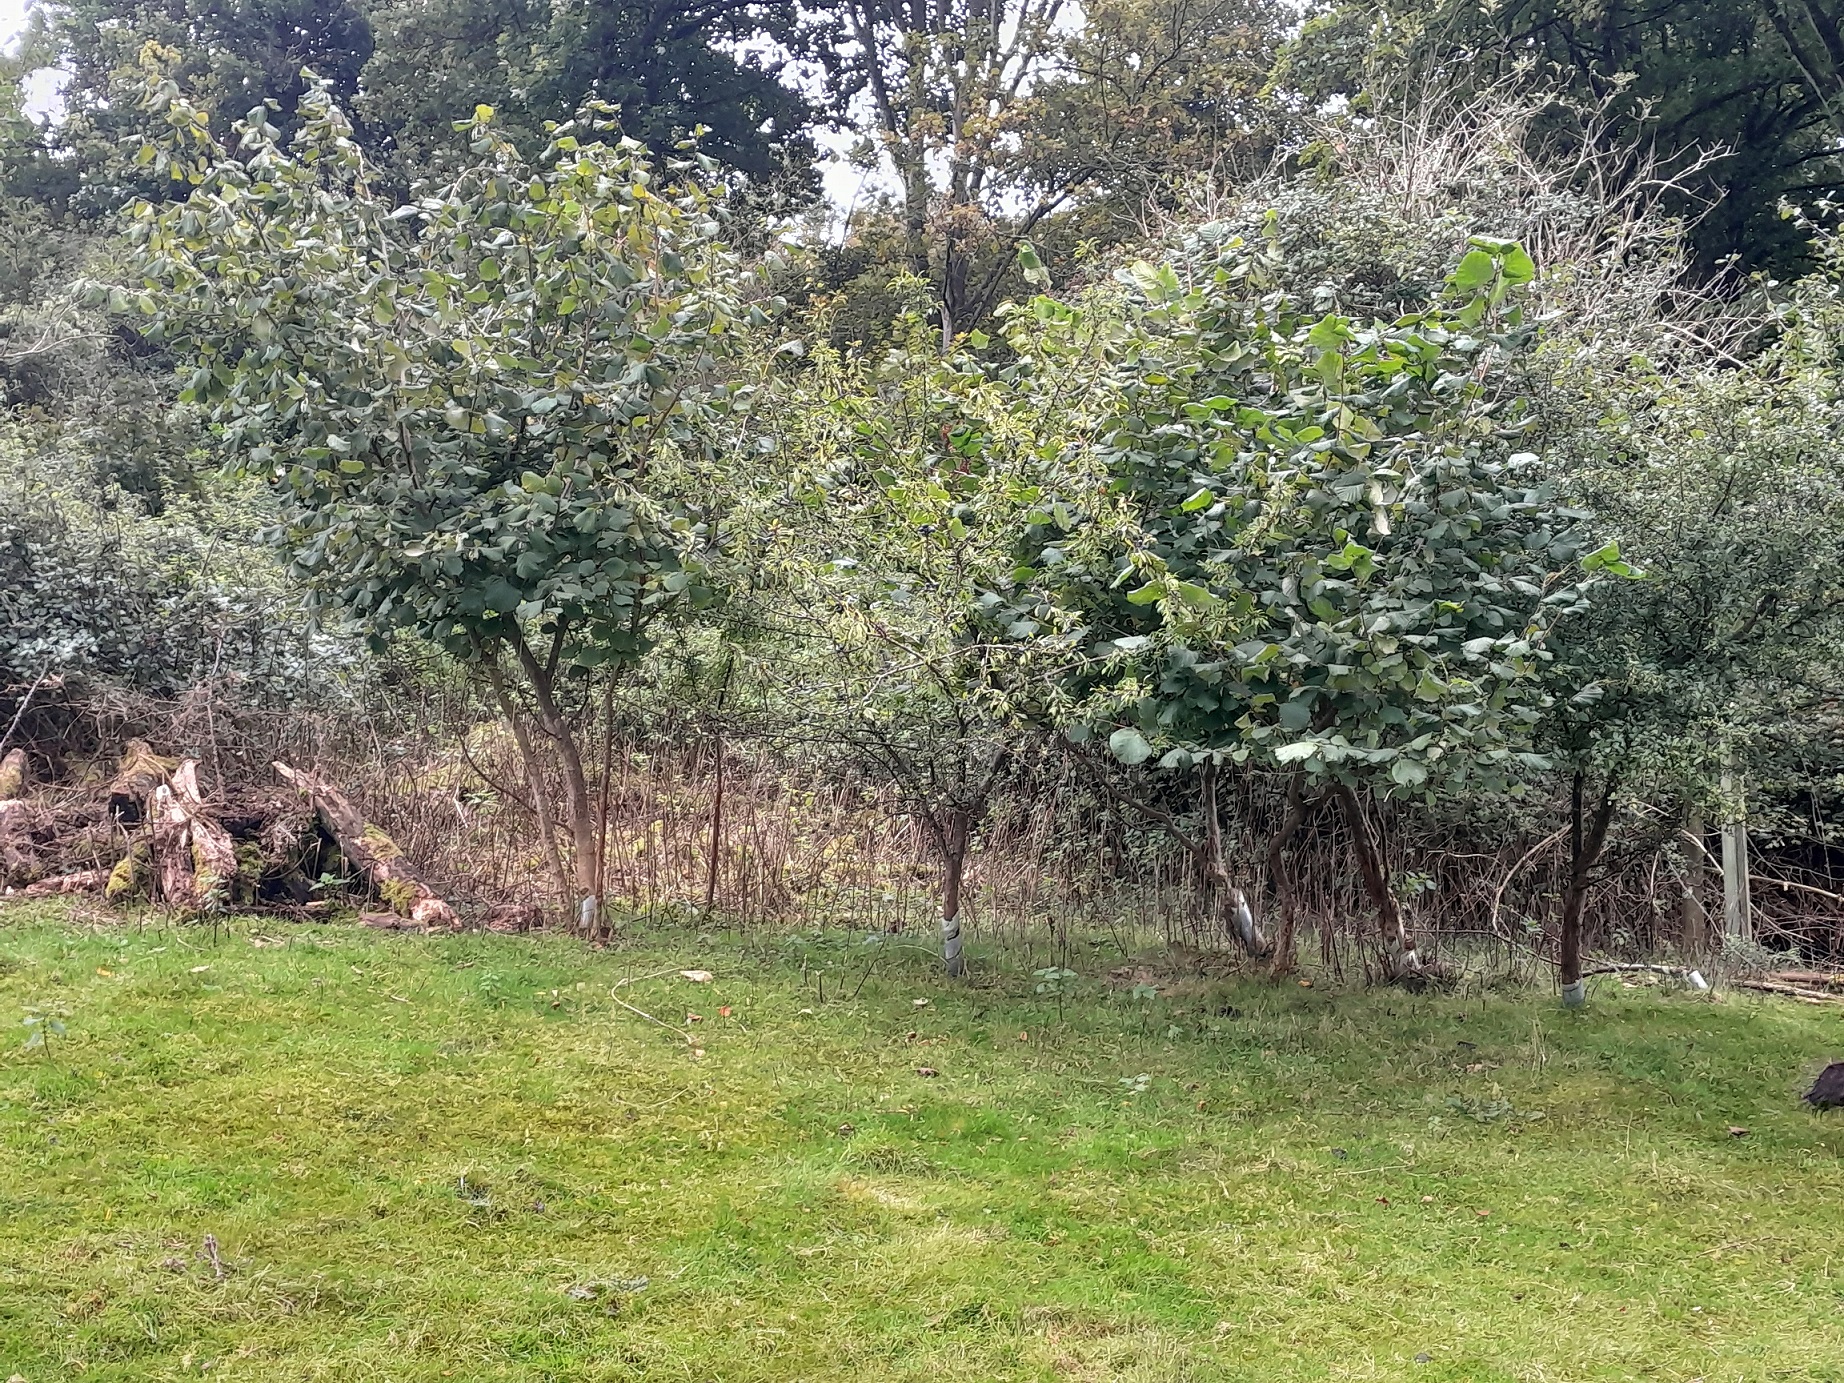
1210, 406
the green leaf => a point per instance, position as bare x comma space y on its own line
1297, 752
1408, 773
1475, 270
1129, 746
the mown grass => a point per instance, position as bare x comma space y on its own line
459, 1158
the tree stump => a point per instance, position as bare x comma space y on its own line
373, 853
14, 775
138, 776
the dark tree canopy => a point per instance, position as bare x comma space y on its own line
669, 65
411, 70
233, 54
1763, 79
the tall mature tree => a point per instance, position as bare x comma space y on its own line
232, 55
995, 115
1763, 79
668, 65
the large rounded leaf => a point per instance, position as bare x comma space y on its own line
1130, 746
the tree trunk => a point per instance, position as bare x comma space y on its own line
172, 855
1279, 878
374, 854
1400, 958
139, 774
953, 841
534, 782
1584, 852
1242, 919
583, 833
1737, 904
194, 859
1694, 939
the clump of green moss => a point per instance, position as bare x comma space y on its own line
129, 877
380, 844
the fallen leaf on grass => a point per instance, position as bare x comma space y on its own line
697, 976
1737, 1131
927, 1071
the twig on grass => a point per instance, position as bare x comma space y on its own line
651, 1019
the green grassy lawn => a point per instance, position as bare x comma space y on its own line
461, 1158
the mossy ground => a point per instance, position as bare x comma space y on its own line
459, 1158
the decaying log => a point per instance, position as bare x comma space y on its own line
20, 822
172, 855
214, 854
14, 775
138, 777
83, 881
1791, 991
387, 921
513, 918
194, 859
1811, 979
373, 853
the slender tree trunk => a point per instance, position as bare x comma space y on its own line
1694, 939
575, 786
953, 841
534, 781
1584, 852
1737, 903
1279, 877
1400, 958
717, 829
1242, 918
717, 797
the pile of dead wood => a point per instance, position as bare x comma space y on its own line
148, 833
1808, 986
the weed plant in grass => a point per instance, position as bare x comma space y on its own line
461, 1157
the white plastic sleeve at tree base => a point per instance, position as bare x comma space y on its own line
1575, 995
1404, 959
1245, 921
585, 913
950, 941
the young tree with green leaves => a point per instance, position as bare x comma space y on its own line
477, 409
1717, 477
1308, 544
899, 489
